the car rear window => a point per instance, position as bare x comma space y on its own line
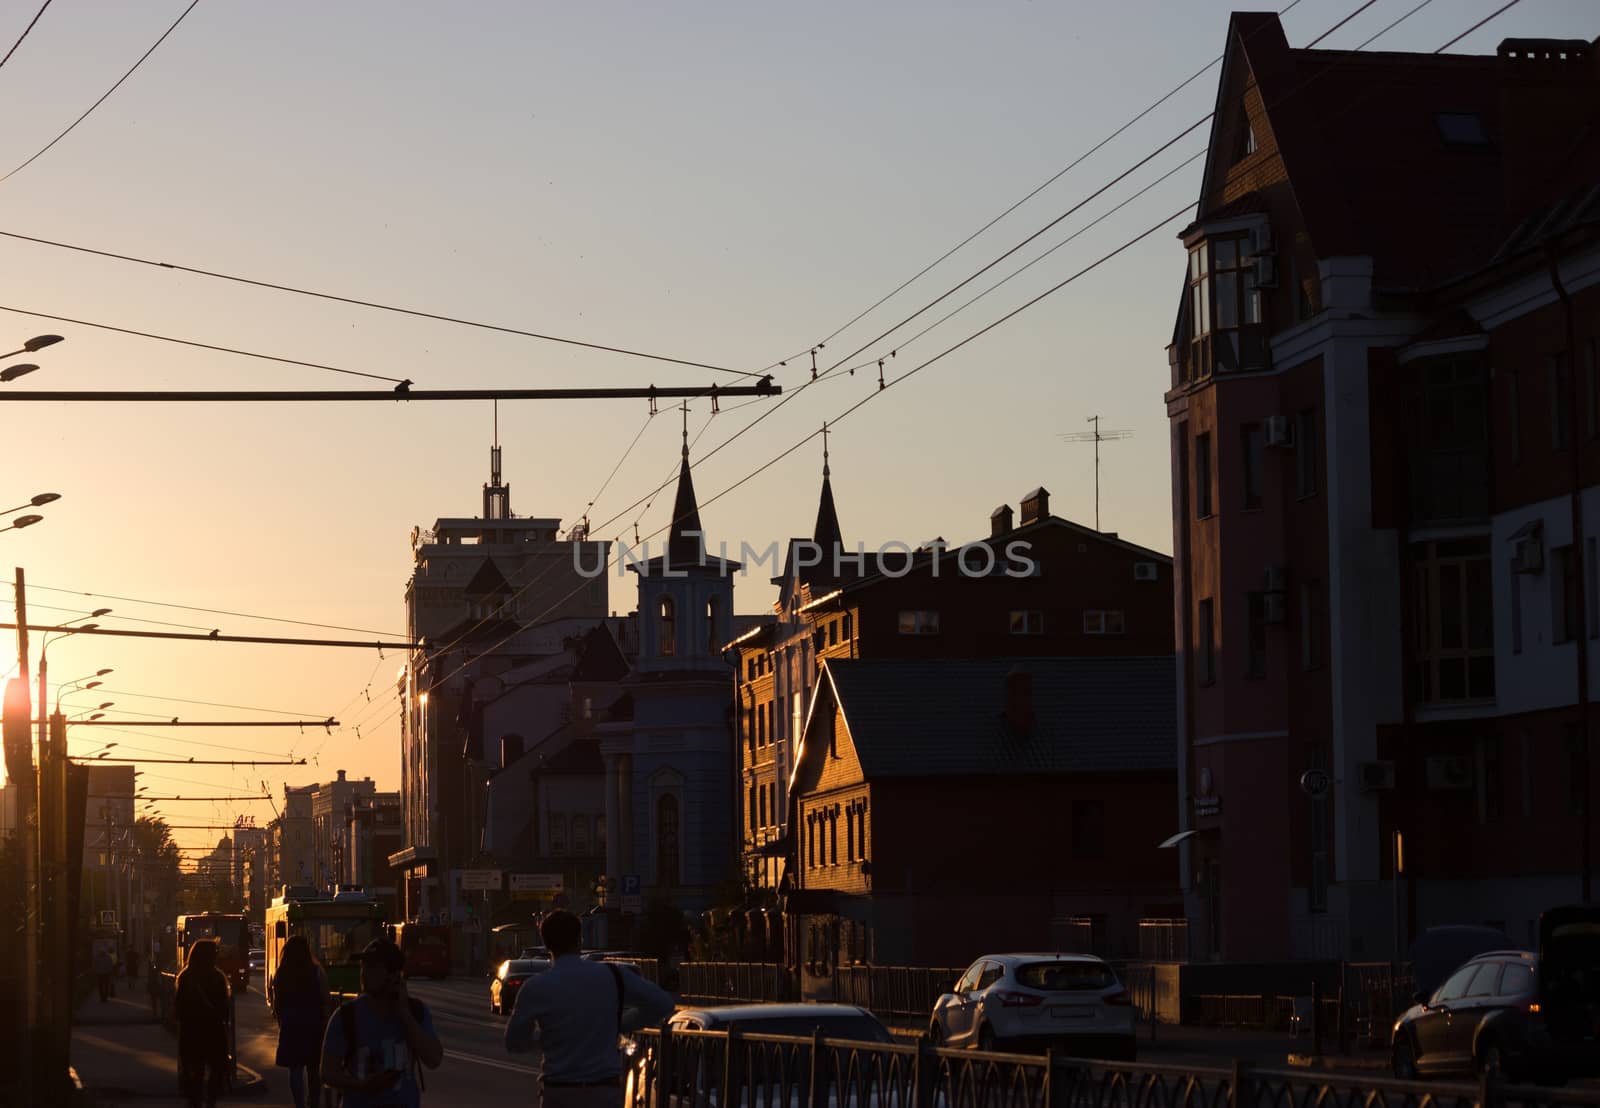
858, 1028
524, 967
1518, 981
1066, 976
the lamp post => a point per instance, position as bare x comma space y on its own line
38, 501
32, 346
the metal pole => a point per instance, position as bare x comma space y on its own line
27, 834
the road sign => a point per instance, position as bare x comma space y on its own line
480, 880
537, 882
631, 885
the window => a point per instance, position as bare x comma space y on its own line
558, 834
1256, 655
919, 623
772, 804
833, 632
1491, 785
1564, 613
580, 836
1305, 452
750, 670
833, 837
811, 842
1028, 622
1461, 129
1310, 624
667, 626
1206, 655
1450, 448
763, 804
667, 841
1454, 621
1514, 416
1484, 981
1202, 475
1099, 621
713, 625
1517, 980
751, 809
1558, 380
992, 972
1250, 444
845, 627
850, 835
1223, 302
1088, 829
1455, 986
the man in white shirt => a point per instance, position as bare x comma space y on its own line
576, 1009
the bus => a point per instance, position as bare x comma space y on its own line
232, 933
338, 927
426, 947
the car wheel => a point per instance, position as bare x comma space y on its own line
1404, 1060
986, 1038
1491, 1061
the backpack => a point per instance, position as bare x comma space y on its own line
347, 1021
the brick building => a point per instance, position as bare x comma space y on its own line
1393, 275
372, 833
948, 807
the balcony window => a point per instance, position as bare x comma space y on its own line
1224, 306
1450, 445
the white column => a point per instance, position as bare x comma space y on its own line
613, 823
626, 858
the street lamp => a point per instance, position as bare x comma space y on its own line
34, 345
22, 521
35, 502
44, 665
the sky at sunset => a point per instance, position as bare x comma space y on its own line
716, 182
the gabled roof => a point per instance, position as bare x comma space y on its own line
599, 657
488, 581
946, 716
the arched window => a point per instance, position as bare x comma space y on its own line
667, 841
713, 647
558, 834
580, 835
669, 628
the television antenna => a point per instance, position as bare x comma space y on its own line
1096, 436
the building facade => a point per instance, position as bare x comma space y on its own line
1383, 410
372, 830
330, 827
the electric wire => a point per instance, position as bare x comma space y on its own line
199, 345
25, 32
209, 611
104, 96
1492, 15
1395, 24
415, 313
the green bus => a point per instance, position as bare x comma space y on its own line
338, 927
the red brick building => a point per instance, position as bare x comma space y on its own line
1382, 364
948, 807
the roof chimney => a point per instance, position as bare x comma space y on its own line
341, 775
1035, 506
1019, 701
999, 521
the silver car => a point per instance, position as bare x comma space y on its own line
1034, 1001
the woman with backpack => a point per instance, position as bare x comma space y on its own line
201, 1004
299, 993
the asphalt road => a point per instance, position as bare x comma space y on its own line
476, 1069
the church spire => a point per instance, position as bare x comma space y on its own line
685, 544
826, 533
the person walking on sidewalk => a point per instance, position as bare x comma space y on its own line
374, 1043
104, 966
576, 1010
202, 1009
298, 994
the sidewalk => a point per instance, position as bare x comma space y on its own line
122, 1056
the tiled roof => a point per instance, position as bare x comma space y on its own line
941, 717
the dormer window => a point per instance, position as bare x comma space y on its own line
667, 625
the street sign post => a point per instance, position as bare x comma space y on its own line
536, 886
480, 880
632, 899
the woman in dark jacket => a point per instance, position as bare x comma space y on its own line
299, 993
201, 1004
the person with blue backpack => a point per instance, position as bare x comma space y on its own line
376, 1045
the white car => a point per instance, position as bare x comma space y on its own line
258, 961
1072, 1002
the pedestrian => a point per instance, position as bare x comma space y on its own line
299, 993
104, 966
201, 1004
576, 1010
374, 1043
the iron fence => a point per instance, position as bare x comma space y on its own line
894, 990
1164, 940
736, 982
708, 1069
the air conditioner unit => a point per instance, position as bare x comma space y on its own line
1528, 555
1275, 609
1145, 571
1280, 432
1266, 272
1376, 776
1277, 579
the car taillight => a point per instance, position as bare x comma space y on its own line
1533, 1009
515, 980
1020, 1000
1121, 998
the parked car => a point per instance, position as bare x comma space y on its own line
1529, 1016
509, 978
1440, 951
258, 961
1034, 1001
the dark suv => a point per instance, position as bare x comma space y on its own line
1528, 1016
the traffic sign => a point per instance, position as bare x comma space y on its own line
480, 880
537, 883
1314, 783
631, 885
